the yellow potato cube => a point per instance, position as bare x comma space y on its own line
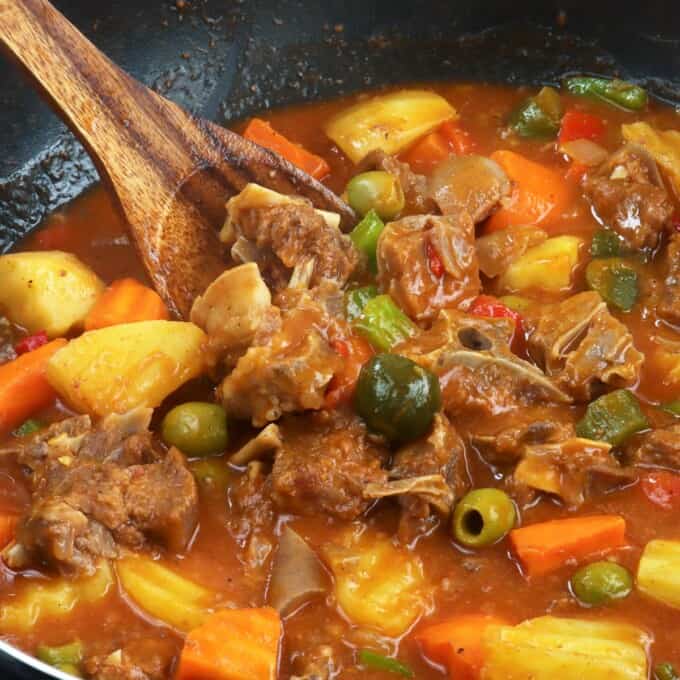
659, 572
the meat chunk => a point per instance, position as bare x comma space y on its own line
583, 347
668, 307
406, 250
289, 364
498, 250
629, 197
659, 448
326, 460
471, 184
97, 489
143, 659
291, 240
478, 373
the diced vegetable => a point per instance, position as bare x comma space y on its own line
379, 662
456, 644
615, 281
115, 369
30, 343
356, 299
378, 585
601, 582
211, 472
388, 122
539, 193
665, 671
397, 397
49, 291
491, 307
548, 267
196, 428
658, 573
672, 407
607, 243
164, 594
550, 648
662, 488
126, 301
365, 237
547, 546
24, 388
427, 153
261, 132
616, 92
377, 191
539, 116
383, 324
356, 352
235, 644
584, 154
67, 655
30, 426
612, 418
434, 261
39, 600
8, 525
458, 137
580, 125
662, 145
483, 517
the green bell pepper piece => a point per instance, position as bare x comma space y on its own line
672, 407
616, 92
615, 281
365, 237
356, 299
67, 655
30, 426
607, 243
383, 324
379, 662
612, 418
539, 116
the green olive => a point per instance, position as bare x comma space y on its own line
483, 517
376, 190
196, 428
601, 582
665, 671
396, 397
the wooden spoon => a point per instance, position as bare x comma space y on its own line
171, 172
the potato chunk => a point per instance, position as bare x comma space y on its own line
659, 572
47, 291
116, 369
376, 584
550, 648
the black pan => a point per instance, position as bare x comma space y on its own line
229, 58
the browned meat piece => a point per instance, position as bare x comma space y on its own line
659, 448
144, 659
413, 185
326, 460
478, 373
405, 271
289, 364
669, 304
629, 197
498, 250
97, 489
442, 453
583, 347
472, 184
292, 239
7, 352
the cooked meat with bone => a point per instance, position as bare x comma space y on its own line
144, 659
97, 488
583, 347
326, 461
406, 249
498, 250
472, 184
478, 373
669, 304
629, 197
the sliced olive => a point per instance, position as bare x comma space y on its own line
601, 582
196, 428
397, 397
376, 190
483, 517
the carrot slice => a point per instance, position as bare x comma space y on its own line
457, 643
235, 644
23, 386
126, 301
539, 193
458, 138
262, 133
8, 525
547, 546
427, 153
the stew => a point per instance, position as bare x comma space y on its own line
444, 444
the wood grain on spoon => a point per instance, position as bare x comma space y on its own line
170, 171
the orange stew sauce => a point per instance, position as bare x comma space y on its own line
488, 581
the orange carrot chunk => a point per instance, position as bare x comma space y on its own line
23, 386
427, 153
234, 644
262, 133
8, 525
126, 301
539, 193
456, 643
545, 547
458, 138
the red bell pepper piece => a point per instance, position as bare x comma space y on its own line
580, 125
434, 261
489, 306
31, 342
356, 352
662, 488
